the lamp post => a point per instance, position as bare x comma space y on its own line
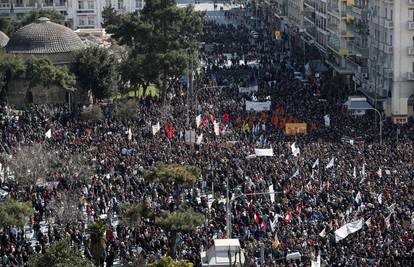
380, 123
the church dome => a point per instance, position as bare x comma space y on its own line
44, 37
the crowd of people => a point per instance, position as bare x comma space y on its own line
340, 175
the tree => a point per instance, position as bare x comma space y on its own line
7, 25
109, 17
95, 69
14, 213
92, 113
52, 14
163, 36
66, 209
59, 254
34, 165
178, 221
169, 262
127, 110
40, 70
180, 174
11, 67
97, 242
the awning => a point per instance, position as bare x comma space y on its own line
358, 105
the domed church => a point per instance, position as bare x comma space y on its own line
46, 39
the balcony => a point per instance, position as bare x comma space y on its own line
388, 73
411, 2
388, 49
411, 51
411, 25
387, 23
410, 76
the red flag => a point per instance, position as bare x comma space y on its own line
310, 242
255, 218
226, 117
285, 191
298, 207
288, 216
263, 225
169, 129
238, 119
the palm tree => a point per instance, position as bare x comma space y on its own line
97, 242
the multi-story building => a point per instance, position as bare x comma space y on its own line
78, 13
391, 57
314, 24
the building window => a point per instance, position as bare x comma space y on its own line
91, 21
81, 5
108, 3
138, 4
82, 21
91, 5
120, 4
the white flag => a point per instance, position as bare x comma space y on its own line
327, 120
331, 163
379, 173
358, 198
216, 128
129, 134
315, 164
48, 134
379, 198
388, 221
296, 173
387, 172
156, 128
323, 233
199, 139
351, 141
354, 174
363, 170
317, 262
273, 224
271, 193
369, 222
198, 120
295, 149
391, 208
264, 152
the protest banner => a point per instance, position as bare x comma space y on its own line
248, 90
264, 152
295, 128
258, 106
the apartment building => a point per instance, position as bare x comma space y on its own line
391, 57
315, 24
79, 13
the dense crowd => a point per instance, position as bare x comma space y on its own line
367, 181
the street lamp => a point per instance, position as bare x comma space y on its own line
364, 105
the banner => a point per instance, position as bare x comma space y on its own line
348, 229
327, 120
248, 90
258, 106
295, 128
264, 152
190, 136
